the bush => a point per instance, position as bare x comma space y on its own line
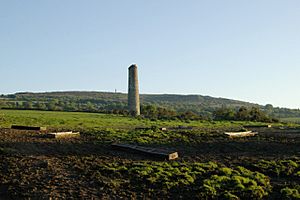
239, 183
290, 193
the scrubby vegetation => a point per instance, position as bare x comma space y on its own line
182, 180
290, 193
280, 167
243, 114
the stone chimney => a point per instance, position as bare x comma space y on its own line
133, 91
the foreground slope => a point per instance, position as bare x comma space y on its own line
210, 165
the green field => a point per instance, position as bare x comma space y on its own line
291, 120
112, 128
92, 121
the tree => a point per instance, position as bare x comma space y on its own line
189, 115
41, 106
242, 114
91, 107
257, 115
149, 111
269, 109
2, 104
224, 114
70, 106
28, 105
52, 105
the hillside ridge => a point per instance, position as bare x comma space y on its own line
109, 101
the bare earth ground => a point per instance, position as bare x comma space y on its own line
39, 168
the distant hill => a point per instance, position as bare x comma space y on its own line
145, 98
203, 105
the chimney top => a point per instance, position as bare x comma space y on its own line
133, 65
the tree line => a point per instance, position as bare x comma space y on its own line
150, 111
243, 114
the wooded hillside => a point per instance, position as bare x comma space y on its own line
117, 102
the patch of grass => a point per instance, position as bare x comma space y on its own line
142, 136
237, 183
291, 120
92, 120
279, 167
290, 193
96, 121
114, 128
201, 180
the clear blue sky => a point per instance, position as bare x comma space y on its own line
240, 49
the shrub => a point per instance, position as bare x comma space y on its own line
279, 168
290, 193
239, 183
